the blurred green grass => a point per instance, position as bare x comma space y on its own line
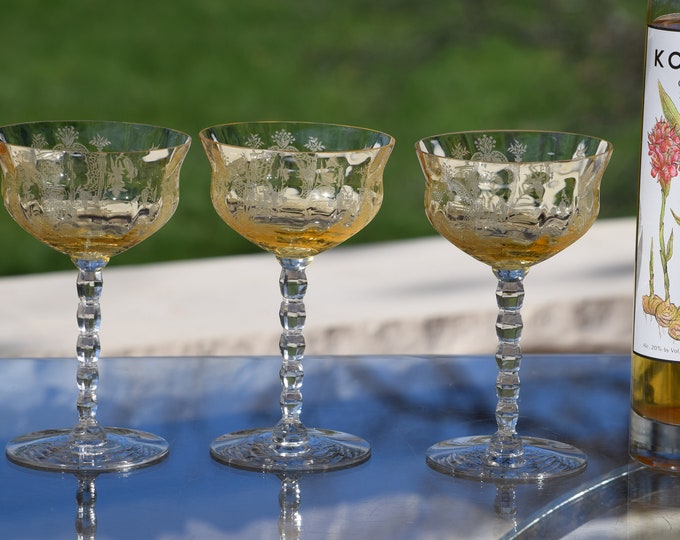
411, 69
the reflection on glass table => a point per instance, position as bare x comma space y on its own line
400, 404
633, 501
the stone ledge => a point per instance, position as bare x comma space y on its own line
601, 325
419, 296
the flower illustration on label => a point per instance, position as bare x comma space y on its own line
664, 151
663, 143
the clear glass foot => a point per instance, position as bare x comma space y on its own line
541, 459
53, 450
324, 450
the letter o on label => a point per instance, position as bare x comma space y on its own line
674, 60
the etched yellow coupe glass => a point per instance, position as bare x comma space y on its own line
90, 190
510, 199
294, 189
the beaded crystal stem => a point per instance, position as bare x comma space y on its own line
289, 433
505, 447
289, 446
505, 456
87, 432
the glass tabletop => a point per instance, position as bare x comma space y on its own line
400, 404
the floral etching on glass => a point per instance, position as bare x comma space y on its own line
50, 175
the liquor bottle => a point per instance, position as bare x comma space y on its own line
655, 381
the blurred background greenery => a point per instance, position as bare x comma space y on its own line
409, 68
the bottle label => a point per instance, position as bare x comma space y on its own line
657, 288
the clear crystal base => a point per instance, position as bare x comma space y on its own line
542, 459
53, 450
324, 450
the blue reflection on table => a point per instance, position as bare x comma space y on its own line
400, 404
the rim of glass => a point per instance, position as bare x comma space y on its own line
608, 145
187, 137
390, 143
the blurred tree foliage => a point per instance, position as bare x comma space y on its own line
409, 68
